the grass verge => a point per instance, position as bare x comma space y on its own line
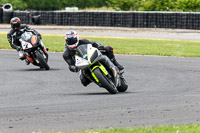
159, 129
194, 128
127, 45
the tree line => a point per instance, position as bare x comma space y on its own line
125, 5
156, 5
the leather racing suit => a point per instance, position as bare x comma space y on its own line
13, 36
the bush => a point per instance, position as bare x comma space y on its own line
125, 5
16, 4
158, 5
188, 5
85, 3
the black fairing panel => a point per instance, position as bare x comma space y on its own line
94, 56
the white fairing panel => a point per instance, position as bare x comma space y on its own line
26, 45
90, 51
80, 62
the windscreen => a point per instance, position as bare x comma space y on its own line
82, 51
26, 36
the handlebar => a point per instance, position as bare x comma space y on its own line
28, 30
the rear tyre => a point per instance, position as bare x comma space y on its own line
42, 61
110, 87
124, 86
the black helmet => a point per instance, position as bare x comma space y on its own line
15, 23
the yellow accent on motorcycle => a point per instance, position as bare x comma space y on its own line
102, 69
89, 56
94, 76
34, 40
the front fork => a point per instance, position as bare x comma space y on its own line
102, 68
44, 50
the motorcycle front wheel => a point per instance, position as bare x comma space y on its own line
110, 87
42, 61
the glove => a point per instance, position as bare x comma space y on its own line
40, 36
73, 68
101, 47
25, 30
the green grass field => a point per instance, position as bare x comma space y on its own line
127, 45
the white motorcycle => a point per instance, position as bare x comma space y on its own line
98, 68
34, 50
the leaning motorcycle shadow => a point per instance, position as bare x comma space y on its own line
102, 93
93, 93
39, 69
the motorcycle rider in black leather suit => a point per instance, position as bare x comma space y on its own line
72, 41
13, 36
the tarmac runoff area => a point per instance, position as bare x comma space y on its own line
162, 91
140, 33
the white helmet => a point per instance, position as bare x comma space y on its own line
71, 39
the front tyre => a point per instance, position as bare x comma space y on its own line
110, 87
42, 61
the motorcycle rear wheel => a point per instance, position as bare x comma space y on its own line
124, 86
42, 61
105, 83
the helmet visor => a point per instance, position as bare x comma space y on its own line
71, 41
16, 26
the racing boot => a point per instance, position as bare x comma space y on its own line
21, 55
27, 61
120, 67
110, 54
84, 80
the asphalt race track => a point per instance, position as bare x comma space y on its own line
162, 91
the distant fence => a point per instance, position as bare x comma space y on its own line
175, 20
1, 14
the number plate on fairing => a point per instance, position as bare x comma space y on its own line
26, 45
